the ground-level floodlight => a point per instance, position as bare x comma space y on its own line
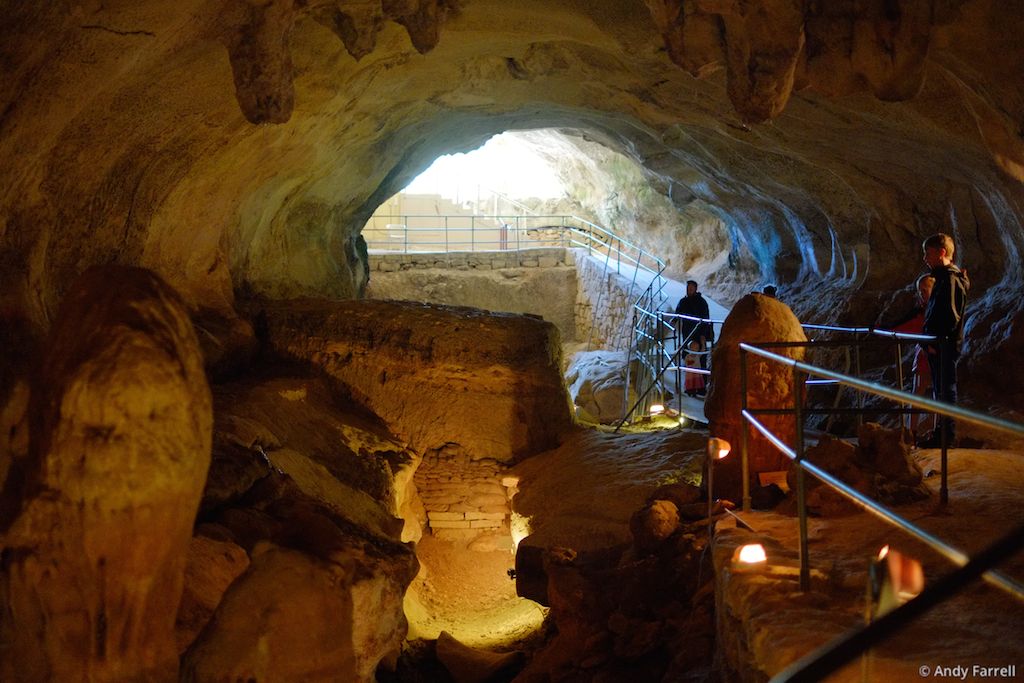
717, 449
750, 557
893, 578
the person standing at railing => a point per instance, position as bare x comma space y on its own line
694, 305
913, 323
944, 319
694, 382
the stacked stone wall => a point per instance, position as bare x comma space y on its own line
541, 257
604, 303
463, 498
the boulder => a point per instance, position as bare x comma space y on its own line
653, 524
754, 318
597, 385
211, 567
293, 616
106, 498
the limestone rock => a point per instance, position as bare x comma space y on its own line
470, 665
335, 452
769, 384
880, 466
597, 384
653, 524
211, 567
118, 451
293, 617
137, 147
488, 383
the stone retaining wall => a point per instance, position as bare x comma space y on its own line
541, 257
608, 293
463, 497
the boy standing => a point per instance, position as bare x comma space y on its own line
944, 318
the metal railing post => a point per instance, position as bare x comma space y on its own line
857, 373
908, 419
944, 425
801, 489
744, 432
405, 233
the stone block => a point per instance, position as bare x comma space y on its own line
484, 524
435, 516
529, 263
482, 500
450, 524
547, 262
485, 515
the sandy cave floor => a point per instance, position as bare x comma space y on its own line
469, 594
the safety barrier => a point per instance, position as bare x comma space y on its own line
408, 233
829, 658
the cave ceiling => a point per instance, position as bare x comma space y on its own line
237, 147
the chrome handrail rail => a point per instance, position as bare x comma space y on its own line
831, 656
801, 371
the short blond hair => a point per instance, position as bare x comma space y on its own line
940, 240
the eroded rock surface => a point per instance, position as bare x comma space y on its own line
99, 512
488, 385
128, 136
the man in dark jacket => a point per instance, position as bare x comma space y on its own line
693, 304
944, 318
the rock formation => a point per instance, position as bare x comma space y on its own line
128, 134
769, 385
98, 513
487, 385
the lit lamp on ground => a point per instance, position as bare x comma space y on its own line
717, 449
749, 558
893, 579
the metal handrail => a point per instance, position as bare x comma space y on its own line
586, 234
832, 656
829, 658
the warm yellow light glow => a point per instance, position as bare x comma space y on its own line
718, 448
657, 409
752, 553
520, 528
883, 552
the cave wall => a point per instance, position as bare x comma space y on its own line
829, 138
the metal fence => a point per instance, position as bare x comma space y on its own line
831, 657
456, 233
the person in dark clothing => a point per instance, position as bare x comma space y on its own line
944, 318
694, 304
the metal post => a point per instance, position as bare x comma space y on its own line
710, 460
908, 420
801, 493
857, 374
405, 231
744, 431
940, 393
519, 255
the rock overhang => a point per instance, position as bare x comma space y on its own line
134, 148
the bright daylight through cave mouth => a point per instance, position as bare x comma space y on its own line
478, 201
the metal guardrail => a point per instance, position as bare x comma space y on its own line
408, 233
832, 656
